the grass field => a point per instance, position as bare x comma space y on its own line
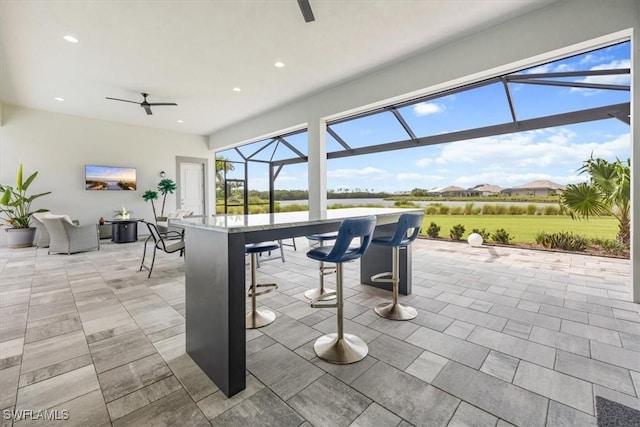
523, 228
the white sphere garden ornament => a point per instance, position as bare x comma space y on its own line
474, 239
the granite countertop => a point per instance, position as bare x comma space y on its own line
244, 223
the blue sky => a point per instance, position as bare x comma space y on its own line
507, 160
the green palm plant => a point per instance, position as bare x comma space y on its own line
222, 166
165, 187
151, 195
607, 192
15, 204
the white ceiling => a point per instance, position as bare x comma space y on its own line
194, 52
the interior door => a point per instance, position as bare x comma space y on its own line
192, 187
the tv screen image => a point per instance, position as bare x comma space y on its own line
102, 178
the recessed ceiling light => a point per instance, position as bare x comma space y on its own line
180, 121
279, 64
70, 39
57, 98
237, 89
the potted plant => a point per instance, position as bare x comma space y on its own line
151, 195
15, 204
165, 187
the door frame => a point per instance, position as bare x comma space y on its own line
205, 175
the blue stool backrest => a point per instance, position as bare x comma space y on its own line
406, 222
350, 229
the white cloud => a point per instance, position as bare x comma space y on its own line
424, 162
526, 150
426, 108
356, 173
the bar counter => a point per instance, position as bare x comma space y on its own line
216, 282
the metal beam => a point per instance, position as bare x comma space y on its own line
507, 92
265, 146
619, 111
337, 138
402, 121
574, 84
291, 147
584, 73
240, 153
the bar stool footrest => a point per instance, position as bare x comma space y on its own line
348, 349
320, 301
392, 311
386, 277
270, 288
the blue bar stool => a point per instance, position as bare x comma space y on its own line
257, 318
324, 270
342, 348
394, 310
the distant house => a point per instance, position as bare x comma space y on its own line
484, 190
535, 188
449, 191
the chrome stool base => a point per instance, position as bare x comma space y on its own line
348, 349
395, 311
259, 318
317, 293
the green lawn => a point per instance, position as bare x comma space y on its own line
523, 228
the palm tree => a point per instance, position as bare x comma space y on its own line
223, 165
607, 192
165, 186
151, 195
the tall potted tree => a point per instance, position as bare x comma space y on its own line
151, 195
165, 187
15, 204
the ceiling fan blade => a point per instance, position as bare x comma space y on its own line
147, 108
163, 103
305, 8
123, 100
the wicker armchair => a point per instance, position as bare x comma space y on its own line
66, 237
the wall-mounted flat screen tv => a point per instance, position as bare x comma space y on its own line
107, 178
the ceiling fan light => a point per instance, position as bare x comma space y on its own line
70, 39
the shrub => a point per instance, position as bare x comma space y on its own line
563, 240
456, 210
483, 232
551, 210
501, 236
444, 209
431, 210
501, 210
468, 208
405, 204
612, 246
433, 230
457, 232
488, 209
532, 209
516, 210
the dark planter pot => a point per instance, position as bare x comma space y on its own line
20, 237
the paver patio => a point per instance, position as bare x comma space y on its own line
503, 335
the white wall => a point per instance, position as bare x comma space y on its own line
58, 146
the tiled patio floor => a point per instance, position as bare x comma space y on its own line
503, 336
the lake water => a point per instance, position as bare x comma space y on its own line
390, 203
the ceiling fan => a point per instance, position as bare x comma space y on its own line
144, 104
305, 8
